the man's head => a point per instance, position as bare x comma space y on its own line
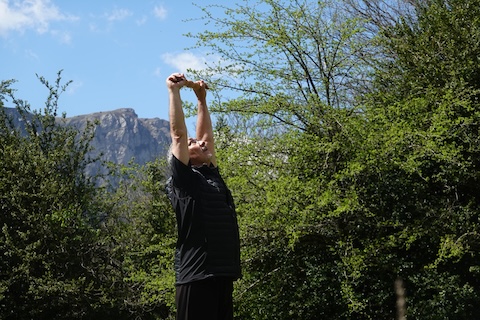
198, 151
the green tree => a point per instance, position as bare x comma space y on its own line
140, 232
344, 186
425, 110
52, 265
296, 66
73, 248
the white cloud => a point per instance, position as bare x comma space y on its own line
158, 72
74, 87
141, 21
160, 12
93, 27
185, 60
63, 36
31, 55
29, 14
118, 15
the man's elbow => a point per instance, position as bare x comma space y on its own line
178, 133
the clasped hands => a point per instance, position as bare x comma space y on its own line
180, 77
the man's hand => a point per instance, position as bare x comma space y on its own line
196, 85
176, 81
200, 89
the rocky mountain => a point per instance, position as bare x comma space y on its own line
121, 136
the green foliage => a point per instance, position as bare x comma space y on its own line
140, 231
70, 248
48, 216
349, 171
279, 55
336, 199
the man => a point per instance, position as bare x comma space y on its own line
207, 257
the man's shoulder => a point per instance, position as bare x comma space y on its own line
178, 168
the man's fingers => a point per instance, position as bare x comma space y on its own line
177, 77
195, 85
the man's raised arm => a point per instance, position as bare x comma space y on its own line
204, 130
178, 128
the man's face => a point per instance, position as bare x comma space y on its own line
199, 153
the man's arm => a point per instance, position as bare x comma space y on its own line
204, 130
178, 128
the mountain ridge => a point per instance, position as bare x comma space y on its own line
120, 136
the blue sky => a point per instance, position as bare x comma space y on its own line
117, 52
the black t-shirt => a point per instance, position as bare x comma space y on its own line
208, 240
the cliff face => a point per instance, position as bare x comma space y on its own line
121, 136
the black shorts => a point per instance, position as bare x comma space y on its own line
206, 299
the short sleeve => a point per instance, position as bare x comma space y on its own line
182, 175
